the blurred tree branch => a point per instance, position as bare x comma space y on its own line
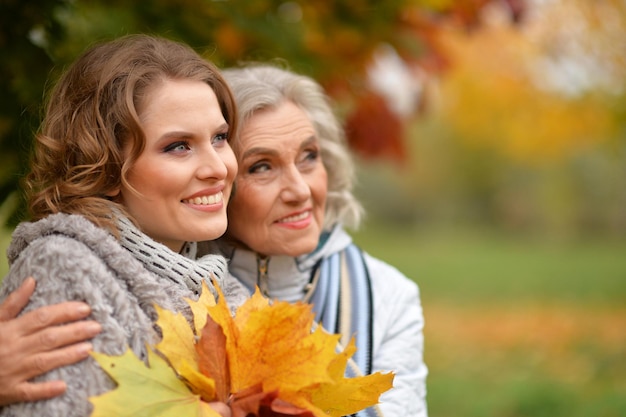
334, 41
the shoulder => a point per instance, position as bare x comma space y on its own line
68, 267
386, 279
116, 286
396, 301
69, 257
61, 242
64, 268
60, 224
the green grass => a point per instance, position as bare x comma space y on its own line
473, 267
474, 395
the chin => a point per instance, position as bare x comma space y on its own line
301, 249
213, 233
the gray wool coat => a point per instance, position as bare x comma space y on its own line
72, 259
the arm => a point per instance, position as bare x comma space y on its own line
399, 340
67, 270
37, 342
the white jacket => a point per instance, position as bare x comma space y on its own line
398, 319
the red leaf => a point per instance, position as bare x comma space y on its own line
374, 131
248, 401
254, 402
213, 358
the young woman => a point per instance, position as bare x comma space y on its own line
132, 161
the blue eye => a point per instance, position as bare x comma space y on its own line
259, 167
178, 146
220, 138
312, 155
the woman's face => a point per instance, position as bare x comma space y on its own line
278, 208
185, 173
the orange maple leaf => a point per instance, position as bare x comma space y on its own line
269, 360
213, 358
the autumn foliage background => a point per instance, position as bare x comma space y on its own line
492, 164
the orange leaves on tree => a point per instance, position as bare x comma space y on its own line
264, 361
374, 131
232, 41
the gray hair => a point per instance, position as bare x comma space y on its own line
261, 86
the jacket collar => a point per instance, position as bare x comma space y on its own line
287, 276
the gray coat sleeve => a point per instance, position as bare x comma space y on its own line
66, 269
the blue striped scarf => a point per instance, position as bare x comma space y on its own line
342, 303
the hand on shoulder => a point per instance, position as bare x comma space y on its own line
39, 341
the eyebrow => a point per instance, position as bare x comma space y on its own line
260, 150
184, 134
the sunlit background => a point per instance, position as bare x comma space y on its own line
511, 215
491, 145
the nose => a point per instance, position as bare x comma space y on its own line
211, 165
295, 188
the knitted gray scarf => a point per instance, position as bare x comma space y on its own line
183, 269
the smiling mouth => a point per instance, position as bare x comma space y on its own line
296, 218
205, 200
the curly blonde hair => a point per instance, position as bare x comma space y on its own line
91, 116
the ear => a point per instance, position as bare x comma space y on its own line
113, 193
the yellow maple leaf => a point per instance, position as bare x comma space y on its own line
292, 356
200, 308
143, 391
266, 360
178, 342
345, 396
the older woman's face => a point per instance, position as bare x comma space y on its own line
185, 173
278, 208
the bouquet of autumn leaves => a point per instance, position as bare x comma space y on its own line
264, 361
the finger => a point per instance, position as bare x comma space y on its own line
58, 336
52, 315
221, 408
50, 348
33, 391
17, 300
46, 361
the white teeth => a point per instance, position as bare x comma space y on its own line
296, 218
205, 200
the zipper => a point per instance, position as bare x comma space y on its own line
262, 279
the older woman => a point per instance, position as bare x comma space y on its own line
286, 235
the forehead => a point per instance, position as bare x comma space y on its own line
285, 122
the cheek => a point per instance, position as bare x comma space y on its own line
248, 199
135, 182
320, 189
146, 174
231, 189
241, 209
231, 165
